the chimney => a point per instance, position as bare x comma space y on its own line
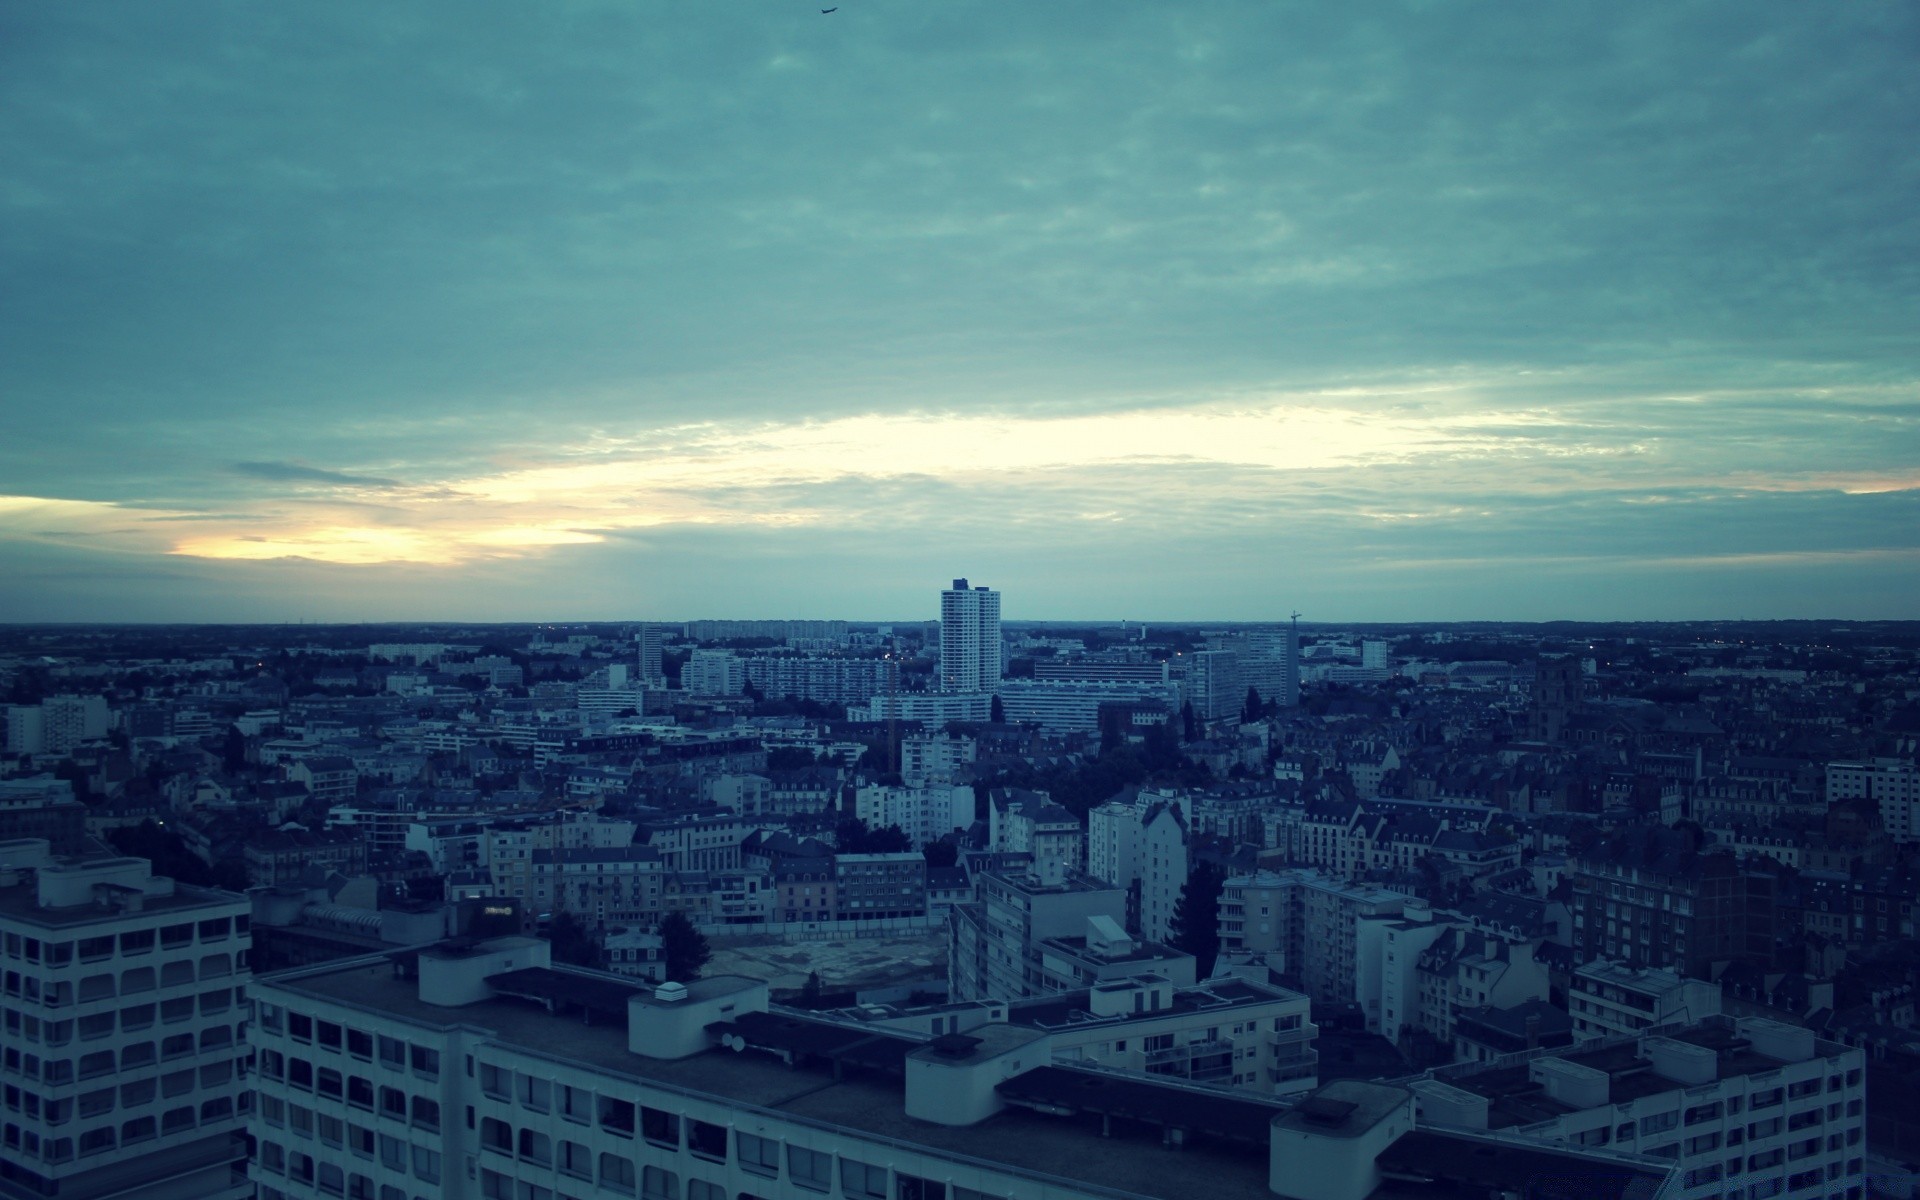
1533, 1031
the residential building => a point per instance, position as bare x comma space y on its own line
594, 1085
969, 639
125, 1057
1753, 1108
1609, 999
1891, 783
1230, 1032
924, 814
714, 673
1649, 898
876, 887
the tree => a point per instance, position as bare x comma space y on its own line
810, 994
1196, 917
684, 947
1254, 708
572, 943
942, 853
1189, 725
997, 712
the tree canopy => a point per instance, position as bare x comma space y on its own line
1196, 916
684, 947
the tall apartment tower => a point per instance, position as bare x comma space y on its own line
651, 640
125, 1013
969, 639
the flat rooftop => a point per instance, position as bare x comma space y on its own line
1517, 1100
1132, 1162
21, 903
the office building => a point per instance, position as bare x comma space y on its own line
969, 639
124, 1044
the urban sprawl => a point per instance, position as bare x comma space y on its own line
960, 909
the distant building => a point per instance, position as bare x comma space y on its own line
969, 639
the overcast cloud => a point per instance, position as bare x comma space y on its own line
357, 311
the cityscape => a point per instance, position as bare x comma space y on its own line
880, 601
961, 906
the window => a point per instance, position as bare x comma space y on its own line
360, 1140
659, 1184
616, 1117
757, 1154
536, 1147
333, 1180
862, 1181
426, 1164
393, 1152
360, 1044
914, 1188
393, 1052
809, 1169
426, 1113
328, 1035
496, 1134
535, 1094
576, 1159
495, 1081
393, 1103
616, 1173
426, 1063
660, 1127
700, 1189
360, 1091
707, 1140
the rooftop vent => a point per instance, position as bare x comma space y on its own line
1326, 1111
670, 993
954, 1045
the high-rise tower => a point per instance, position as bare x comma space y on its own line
969, 639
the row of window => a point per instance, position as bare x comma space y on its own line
394, 1154
132, 1057
809, 1169
359, 1091
26, 1027
58, 1110
391, 1052
181, 972
22, 948
26, 1142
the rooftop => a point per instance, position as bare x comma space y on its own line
1133, 1161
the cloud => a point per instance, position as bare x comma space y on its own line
285, 472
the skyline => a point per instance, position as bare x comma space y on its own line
589, 315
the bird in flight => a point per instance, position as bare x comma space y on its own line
825, 11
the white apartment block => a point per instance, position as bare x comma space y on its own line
484, 1073
124, 1053
1067, 707
714, 673
1752, 1109
936, 759
1609, 999
1163, 866
924, 814
1113, 843
969, 639
1891, 783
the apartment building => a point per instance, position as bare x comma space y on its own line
1748, 1108
1610, 999
1233, 1033
124, 1011
1891, 783
482, 1071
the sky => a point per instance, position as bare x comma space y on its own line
1213, 311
